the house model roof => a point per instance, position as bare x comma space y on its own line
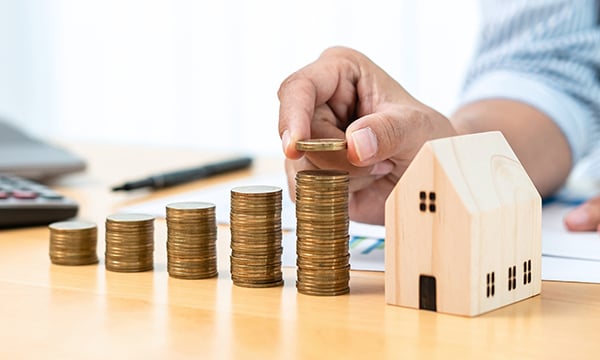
483, 170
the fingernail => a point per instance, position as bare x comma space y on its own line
382, 168
578, 217
365, 143
285, 140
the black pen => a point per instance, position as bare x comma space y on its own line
180, 176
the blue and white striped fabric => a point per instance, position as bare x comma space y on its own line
545, 53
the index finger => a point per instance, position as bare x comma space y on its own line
297, 102
300, 94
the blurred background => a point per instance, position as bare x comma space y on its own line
204, 74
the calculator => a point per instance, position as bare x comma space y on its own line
26, 202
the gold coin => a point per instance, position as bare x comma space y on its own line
254, 284
256, 190
327, 175
125, 217
190, 206
72, 226
321, 145
315, 291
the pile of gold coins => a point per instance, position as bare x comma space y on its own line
73, 243
322, 248
322, 243
191, 240
129, 242
256, 236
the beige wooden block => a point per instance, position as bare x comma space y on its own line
463, 228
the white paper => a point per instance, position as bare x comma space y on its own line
566, 256
559, 242
568, 269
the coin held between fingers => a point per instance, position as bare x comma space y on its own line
321, 145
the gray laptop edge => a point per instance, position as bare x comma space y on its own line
31, 158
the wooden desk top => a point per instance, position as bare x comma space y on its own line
50, 311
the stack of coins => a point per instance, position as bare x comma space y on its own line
129, 242
322, 248
256, 236
73, 243
191, 240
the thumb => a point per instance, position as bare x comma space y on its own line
395, 133
586, 217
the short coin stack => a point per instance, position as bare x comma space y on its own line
256, 236
322, 248
191, 240
129, 242
73, 243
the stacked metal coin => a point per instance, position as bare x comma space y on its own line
73, 243
322, 248
256, 236
129, 242
191, 240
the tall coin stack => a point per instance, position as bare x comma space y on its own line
73, 243
129, 242
322, 248
191, 240
256, 236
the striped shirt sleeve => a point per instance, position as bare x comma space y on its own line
545, 53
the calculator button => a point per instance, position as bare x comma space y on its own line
24, 194
51, 196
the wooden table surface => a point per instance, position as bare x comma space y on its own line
62, 312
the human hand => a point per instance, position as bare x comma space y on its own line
585, 217
345, 95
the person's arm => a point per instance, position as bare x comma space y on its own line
539, 144
538, 65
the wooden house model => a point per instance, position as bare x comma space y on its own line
463, 228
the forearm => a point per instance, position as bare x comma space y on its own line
538, 142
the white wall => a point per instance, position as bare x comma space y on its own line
205, 74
